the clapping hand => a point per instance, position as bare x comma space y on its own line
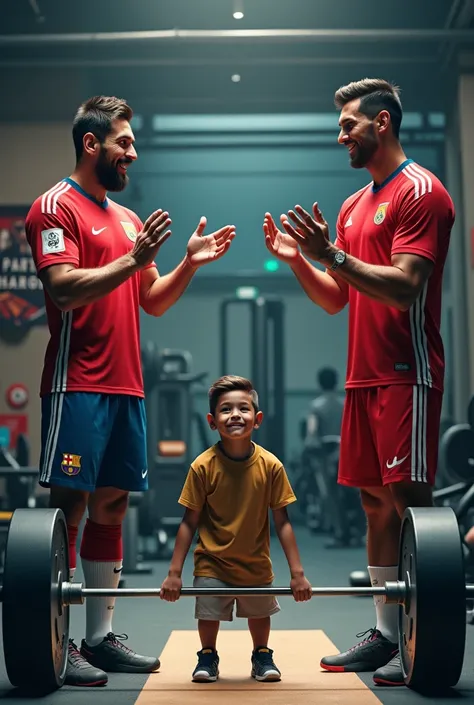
202, 249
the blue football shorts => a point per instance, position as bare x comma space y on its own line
91, 440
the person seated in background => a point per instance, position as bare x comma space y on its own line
227, 494
325, 415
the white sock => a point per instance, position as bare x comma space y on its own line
100, 610
387, 615
71, 574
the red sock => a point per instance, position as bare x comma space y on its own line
72, 532
101, 542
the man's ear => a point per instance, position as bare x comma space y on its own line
383, 121
91, 143
211, 422
258, 419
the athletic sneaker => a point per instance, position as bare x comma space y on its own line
368, 655
80, 672
263, 666
207, 669
391, 674
113, 656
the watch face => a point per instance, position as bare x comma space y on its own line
340, 257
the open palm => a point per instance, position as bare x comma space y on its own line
280, 244
202, 249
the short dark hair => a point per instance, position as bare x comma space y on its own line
229, 383
327, 378
96, 115
375, 95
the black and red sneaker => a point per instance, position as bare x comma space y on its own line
112, 656
390, 674
369, 654
79, 672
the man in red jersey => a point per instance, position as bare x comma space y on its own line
387, 264
96, 261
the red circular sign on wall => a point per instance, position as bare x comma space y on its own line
17, 396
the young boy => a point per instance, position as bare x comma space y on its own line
227, 494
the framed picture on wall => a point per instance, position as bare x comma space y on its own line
21, 292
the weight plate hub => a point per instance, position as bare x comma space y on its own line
432, 622
36, 563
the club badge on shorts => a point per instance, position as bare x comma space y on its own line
71, 464
130, 230
380, 213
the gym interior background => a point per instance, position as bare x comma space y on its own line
230, 124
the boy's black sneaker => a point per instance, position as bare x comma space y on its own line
114, 657
391, 673
207, 669
80, 672
368, 655
263, 666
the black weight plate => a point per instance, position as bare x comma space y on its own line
36, 563
457, 453
432, 623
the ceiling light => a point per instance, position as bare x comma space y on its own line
235, 78
238, 9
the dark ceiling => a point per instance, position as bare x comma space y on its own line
51, 57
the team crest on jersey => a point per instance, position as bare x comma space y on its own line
380, 213
129, 229
71, 464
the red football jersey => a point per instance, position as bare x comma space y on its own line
411, 212
96, 347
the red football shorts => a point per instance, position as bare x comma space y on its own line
390, 434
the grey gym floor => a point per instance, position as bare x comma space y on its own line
149, 622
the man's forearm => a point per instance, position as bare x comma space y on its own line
287, 539
80, 287
182, 545
386, 284
167, 289
319, 286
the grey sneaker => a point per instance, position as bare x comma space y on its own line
114, 657
391, 674
80, 672
368, 655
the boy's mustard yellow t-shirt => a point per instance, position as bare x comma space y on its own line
234, 498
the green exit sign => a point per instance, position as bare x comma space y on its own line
271, 265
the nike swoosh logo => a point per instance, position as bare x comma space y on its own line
396, 462
97, 232
118, 570
144, 473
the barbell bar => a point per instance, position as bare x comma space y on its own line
431, 593
76, 593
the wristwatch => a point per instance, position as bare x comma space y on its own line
339, 258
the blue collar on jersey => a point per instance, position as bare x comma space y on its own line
376, 189
74, 184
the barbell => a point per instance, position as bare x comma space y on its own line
430, 590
